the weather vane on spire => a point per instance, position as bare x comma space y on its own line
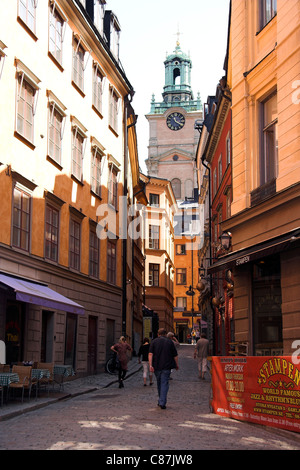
178, 34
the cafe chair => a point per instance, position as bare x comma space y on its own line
4, 368
25, 380
46, 381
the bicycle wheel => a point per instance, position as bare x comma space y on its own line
110, 366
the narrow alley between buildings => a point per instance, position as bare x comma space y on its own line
109, 418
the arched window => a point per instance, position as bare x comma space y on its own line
189, 188
176, 185
176, 76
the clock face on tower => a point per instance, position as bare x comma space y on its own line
175, 121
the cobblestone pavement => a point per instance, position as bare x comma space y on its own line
109, 418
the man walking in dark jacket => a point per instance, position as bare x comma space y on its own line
163, 357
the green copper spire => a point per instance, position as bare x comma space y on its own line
177, 89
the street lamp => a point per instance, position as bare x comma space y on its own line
226, 240
191, 293
202, 271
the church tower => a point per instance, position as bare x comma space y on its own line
172, 137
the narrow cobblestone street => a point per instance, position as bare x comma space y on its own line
129, 419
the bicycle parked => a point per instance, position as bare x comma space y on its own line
112, 365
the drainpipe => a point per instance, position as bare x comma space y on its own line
124, 241
125, 193
210, 247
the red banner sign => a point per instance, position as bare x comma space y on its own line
263, 390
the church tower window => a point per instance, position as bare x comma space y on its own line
176, 185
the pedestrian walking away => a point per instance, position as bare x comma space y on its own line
163, 357
171, 336
144, 354
201, 352
121, 349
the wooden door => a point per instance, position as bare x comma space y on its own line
92, 346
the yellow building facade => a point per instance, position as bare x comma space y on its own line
68, 153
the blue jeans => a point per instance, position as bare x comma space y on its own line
162, 377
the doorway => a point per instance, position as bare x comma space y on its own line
14, 332
92, 345
267, 314
47, 336
110, 336
70, 345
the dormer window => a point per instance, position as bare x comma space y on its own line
112, 32
99, 12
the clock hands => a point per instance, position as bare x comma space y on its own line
178, 122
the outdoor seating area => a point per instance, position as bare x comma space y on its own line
23, 380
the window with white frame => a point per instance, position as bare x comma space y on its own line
2, 57
181, 302
98, 83
96, 168
55, 128
77, 153
113, 186
78, 148
228, 150
114, 99
55, 135
57, 23
154, 237
27, 13
99, 11
154, 200
215, 178
220, 169
27, 94
114, 36
268, 9
78, 62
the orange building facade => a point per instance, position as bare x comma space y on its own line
263, 72
159, 249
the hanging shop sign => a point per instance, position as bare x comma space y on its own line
260, 389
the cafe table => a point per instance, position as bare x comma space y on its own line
62, 371
6, 378
40, 373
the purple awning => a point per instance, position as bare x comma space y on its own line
39, 294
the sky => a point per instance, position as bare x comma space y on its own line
149, 32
